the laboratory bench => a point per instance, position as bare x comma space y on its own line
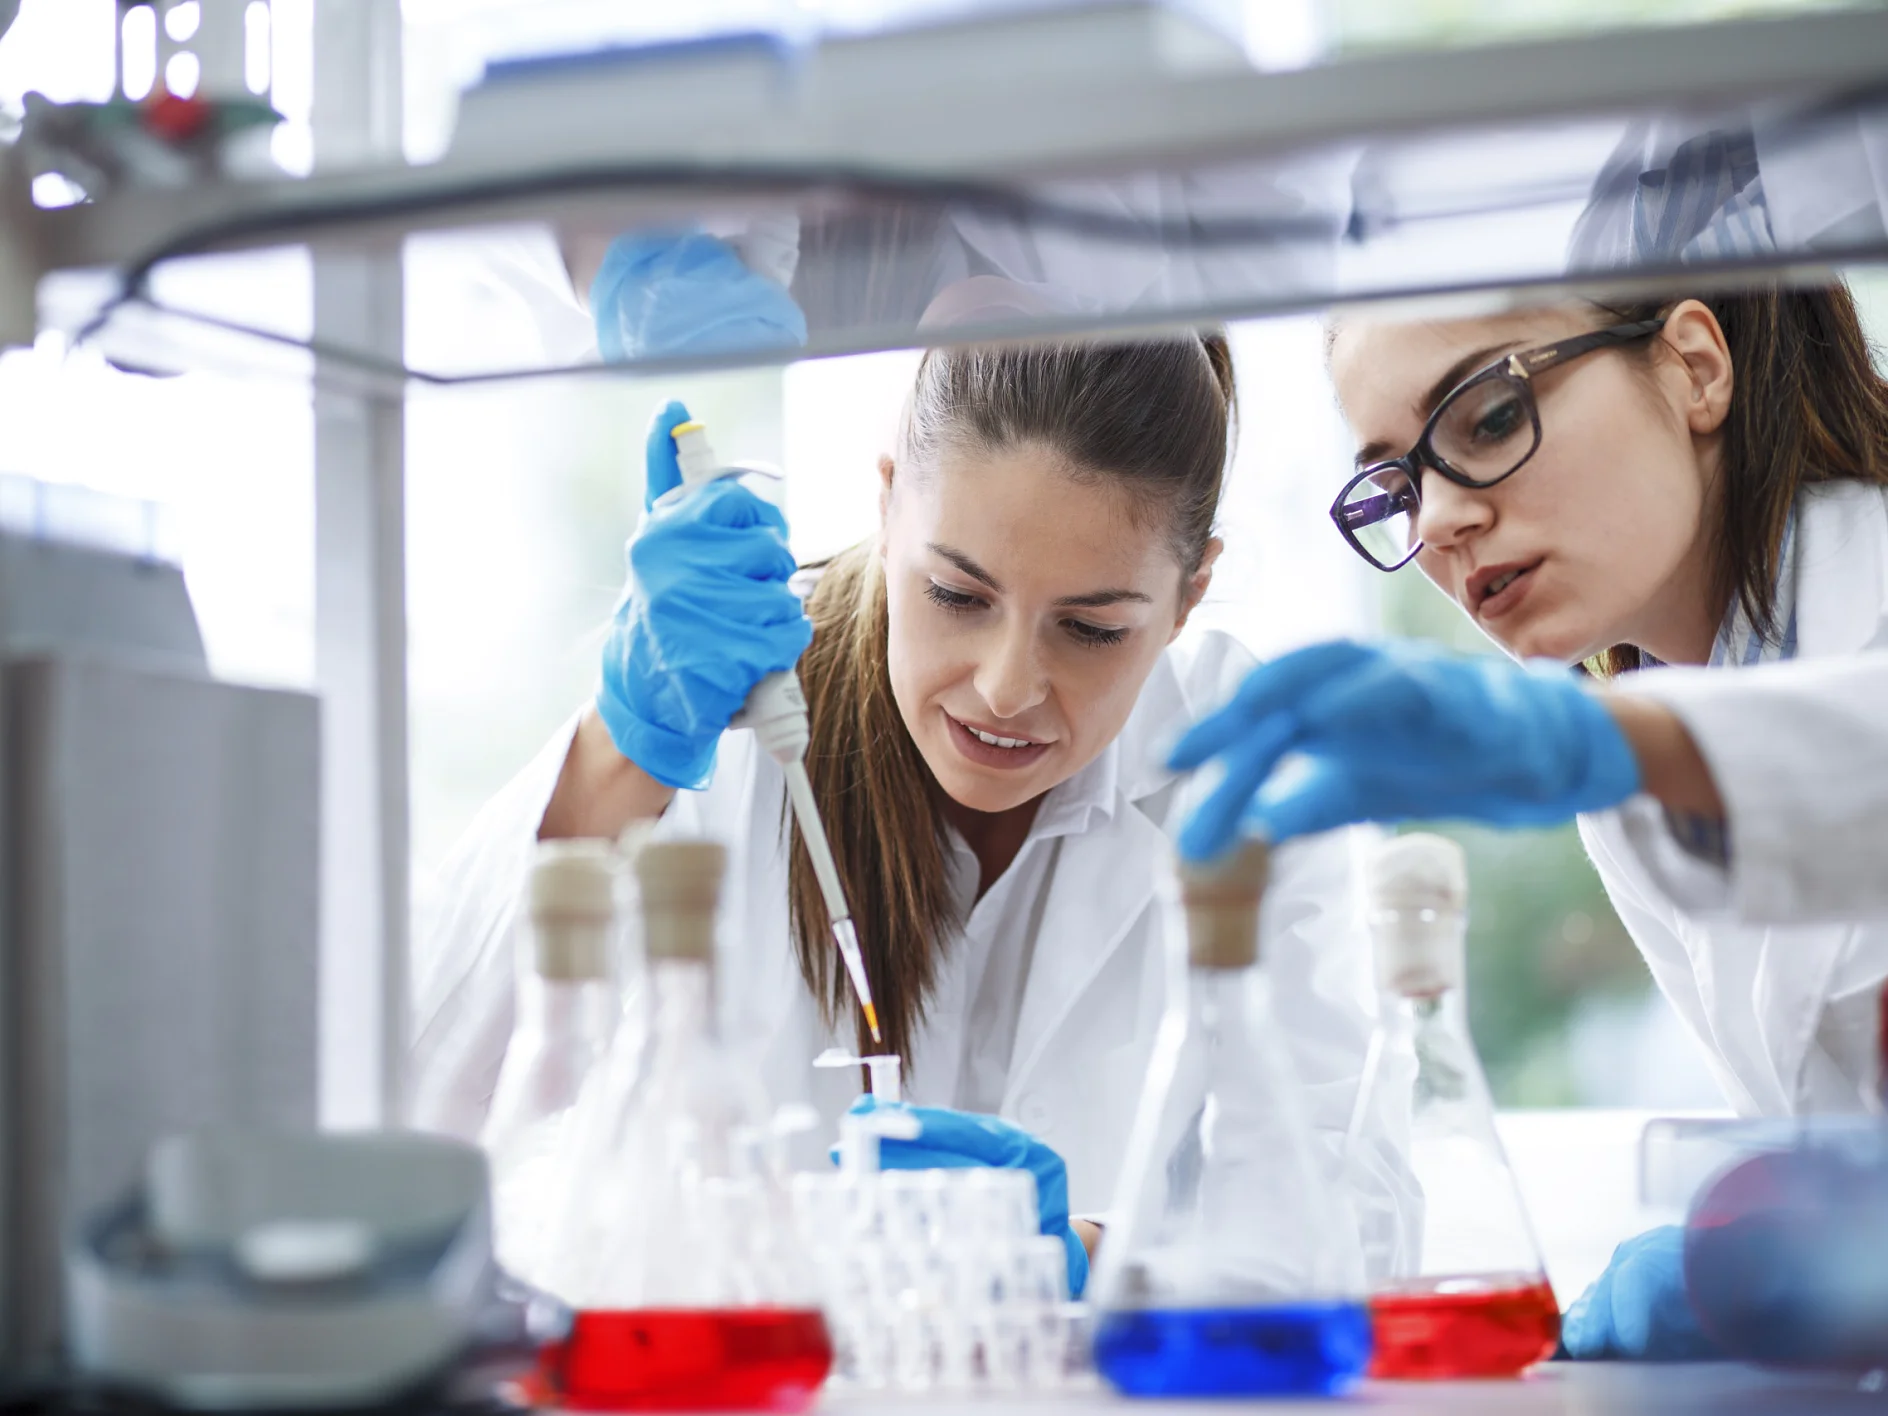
1553, 1389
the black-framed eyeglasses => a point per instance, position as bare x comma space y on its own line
1484, 430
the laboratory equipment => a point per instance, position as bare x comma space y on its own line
1239, 1273
567, 1005
1784, 1235
776, 711
934, 1280
160, 868
1476, 1302
689, 1291
255, 1270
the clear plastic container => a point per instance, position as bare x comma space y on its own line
1240, 1276
933, 1280
1476, 1302
689, 1288
565, 1013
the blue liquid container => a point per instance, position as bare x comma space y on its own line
1299, 1349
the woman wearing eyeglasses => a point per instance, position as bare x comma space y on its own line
1700, 483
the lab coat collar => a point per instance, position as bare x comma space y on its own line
1130, 769
1842, 568
1110, 863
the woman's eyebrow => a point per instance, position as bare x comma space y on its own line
1092, 600
965, 564
1458, 371
1378, 450
1097, 599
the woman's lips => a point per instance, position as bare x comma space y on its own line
986, 754
1492, 606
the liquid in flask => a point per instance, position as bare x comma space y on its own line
1473, 1301
1236, 1273
688, 1287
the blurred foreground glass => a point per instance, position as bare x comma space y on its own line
677, 1251
1786, 1236
1241, 1275
566, 1009
1476, 1302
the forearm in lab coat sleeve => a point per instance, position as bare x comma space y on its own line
1799, 752
464, 973
1317, 952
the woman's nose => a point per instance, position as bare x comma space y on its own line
1449, 514
1010, 678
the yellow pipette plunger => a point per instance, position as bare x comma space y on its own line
776, 711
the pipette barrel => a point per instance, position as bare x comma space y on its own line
776, 710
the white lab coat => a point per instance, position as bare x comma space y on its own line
1775, 965
1094, 988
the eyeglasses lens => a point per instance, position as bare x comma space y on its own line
1380, 511
1485, 431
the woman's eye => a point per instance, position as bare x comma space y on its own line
1094, 635
946, 598
1501, 421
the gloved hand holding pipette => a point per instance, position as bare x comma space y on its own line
955, 1140
706, 637
706, 615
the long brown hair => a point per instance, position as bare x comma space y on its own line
1806, 406
1155, 415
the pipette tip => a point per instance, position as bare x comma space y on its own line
871, 1021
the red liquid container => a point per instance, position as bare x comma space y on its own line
683, 1359
1463, 1327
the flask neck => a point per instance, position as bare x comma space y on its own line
1419, 951
1222, 1001
1444, 1011
554, 1006
682, 992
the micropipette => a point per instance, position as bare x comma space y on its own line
776, 711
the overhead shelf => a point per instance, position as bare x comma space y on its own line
1146, 178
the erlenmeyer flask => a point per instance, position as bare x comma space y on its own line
566, 1008
687, 1301
1477, 1303
1232, 1269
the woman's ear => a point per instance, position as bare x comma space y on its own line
1197, 582
884, 501
1694, 334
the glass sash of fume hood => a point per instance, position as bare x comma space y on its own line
935, 192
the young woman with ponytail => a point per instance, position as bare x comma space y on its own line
990, 681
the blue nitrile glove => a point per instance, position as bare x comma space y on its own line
705, 616
959, 1140
675, 292
1637, 1309
1398, 731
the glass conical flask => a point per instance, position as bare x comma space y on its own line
1232, 1269
1477, 1303
689, 1300
566, 1008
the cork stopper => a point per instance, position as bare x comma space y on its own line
1222, 905
573, 903
681, 886
1418, 910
